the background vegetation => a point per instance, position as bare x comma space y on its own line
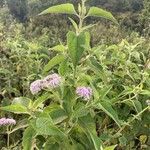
122, 52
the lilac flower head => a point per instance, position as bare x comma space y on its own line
84, 92
36, 86
52, 81
7, 121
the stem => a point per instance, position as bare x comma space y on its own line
81, 17
24, 126
8, 138
37, 147
74, 73
8, 141
129, 99
121, 129
80, 24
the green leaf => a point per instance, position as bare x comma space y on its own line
57, 113
28, 138
53, 62
137, 105
21, 124
123, 141
95, 63
145, 92
58, 144
41, 100
62, 9
76, 46
110, 147
76, 145
63, 67
58, 48
51, 144
4, 71
107, 108
104, 91
87, 40
98, 12
88, 125
80, 110
88, 27
24, 101
17, 108
68, 100
95, 139
45, 126
74, 24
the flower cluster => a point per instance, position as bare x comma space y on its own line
84, 92
51, 81
36, 86
7, 121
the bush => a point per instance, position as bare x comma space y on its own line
87, 92
85, 97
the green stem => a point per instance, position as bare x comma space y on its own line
129, 122
37, 147
129, 99
8, 138
81, 16
74, 73
24, 126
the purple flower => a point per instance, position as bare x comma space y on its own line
7, 121
52, 81
36, 86
84, 92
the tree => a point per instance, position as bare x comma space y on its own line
2, 2
145, 17
136, 5
18, 9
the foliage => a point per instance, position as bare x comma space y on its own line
21, 61
115, 116
145, 18
18, 8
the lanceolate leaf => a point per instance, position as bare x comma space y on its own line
53, 62
22, 101
80, 110
51, 143
45, 126
68, 100
17, 108
87, 40
110, 147
62, 9
88, 125
57, 113
74, 24
41, 100
137, 105
98, 12
58, 48
63, 67
76, 46
28, 138
107, 108
88, 27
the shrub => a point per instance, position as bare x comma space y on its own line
87, 97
